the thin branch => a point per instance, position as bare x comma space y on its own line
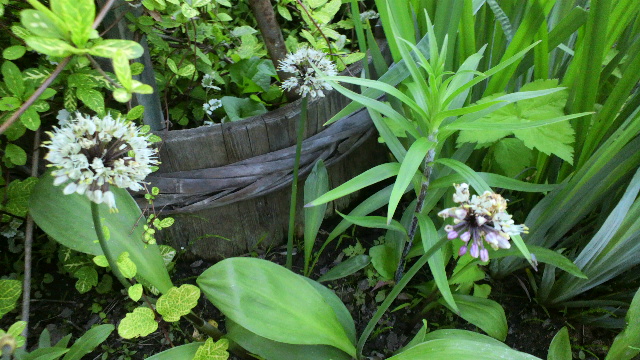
35, 95
103, 13
28, 245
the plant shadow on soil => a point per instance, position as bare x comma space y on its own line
61, 310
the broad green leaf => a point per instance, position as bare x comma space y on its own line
369, 177
15, 154
109, 48
486, 314
13, 78
14, 52
179, 352
338, 307
41, 24
135, 113
177, 302
78, 15
93, 99
512, 156
261, 296
211, 350
627, 344
140, 322
241, 108
89, 341
135, 292
429, 236
87, 279
384, 260
273, 350
463, 335
9, 103
10, 291
456, 349
560, 348
52, 47
410, 165
51, 210
346, 268
187, 70
127, 267
122, 69
482, 291
317, 183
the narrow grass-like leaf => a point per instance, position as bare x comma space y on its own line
411, 163
376, 222
89, 341
493, 180
317, 183
369, 177
429, 236
187, 351
346, 268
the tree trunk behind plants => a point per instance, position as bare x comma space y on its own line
272, 35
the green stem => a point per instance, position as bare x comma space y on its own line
395, 292
97, 224
294, 185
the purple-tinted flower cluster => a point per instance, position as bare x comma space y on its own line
479, 218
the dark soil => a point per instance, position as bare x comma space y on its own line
60, 309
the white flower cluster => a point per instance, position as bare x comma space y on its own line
94, 153
301, 64
207, 82
211, 105
368, 15
480, 218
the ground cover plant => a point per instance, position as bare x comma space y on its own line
512, 136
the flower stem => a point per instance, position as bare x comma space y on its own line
431, 154
294, 185
97, 224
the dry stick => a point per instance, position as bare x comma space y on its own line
272, 36
28, 244
431, 154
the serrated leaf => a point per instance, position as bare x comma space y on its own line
178, 302
18, 193
211, 350
10, 291
78, 15
550, 139
127, 267
512, 156
93, 99
135, 113
15, 154
30, 119
13, 78
52, 47
108, 48
135, 292
140, 322
14, 52
101, 261
87, 278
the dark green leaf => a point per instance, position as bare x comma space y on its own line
560, 348
346, 268
89, 341
15, 154
238, 109
486, 314
13, 78
14, 52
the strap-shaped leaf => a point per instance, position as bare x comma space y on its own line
455, 349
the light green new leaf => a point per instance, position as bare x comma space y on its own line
384, 260
89, 341
135, 292
179, 352
87, 279
411, 163
52, 47
93, 99
627, 344
127, 267
122, 69
486, 314
261, 296
101, 261
560, 348
140, 322
30, 119
458, 349
51, 210
213, 350
109, 48
178, 301
40, 24
10, 291
121, 95
369, 177
78, 15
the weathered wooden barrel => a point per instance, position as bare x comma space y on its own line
228, 185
